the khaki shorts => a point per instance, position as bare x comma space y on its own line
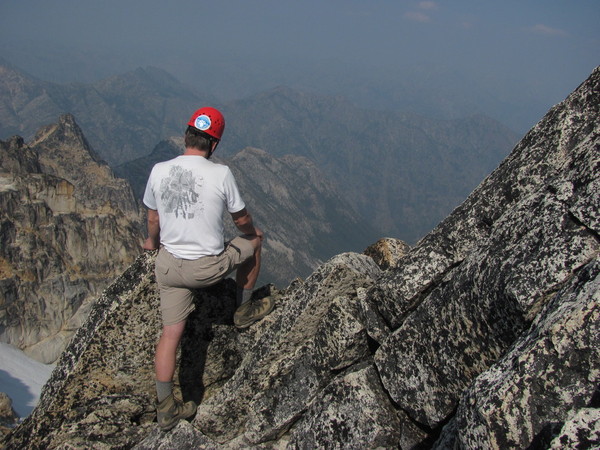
176, 277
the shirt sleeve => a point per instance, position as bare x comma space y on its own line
232, 194
149, 199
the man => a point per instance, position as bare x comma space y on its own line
186, 198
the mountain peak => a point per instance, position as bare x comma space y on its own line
57, 205
63, 151
66, 139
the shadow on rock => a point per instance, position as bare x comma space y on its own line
211, 336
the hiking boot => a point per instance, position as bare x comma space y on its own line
252, 311
171, 410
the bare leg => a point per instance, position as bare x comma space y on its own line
166, 351
248, 272
249, 310
168, 409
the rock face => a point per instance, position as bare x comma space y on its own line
482, 277
8, 417
68, 227
306, 219
486, 334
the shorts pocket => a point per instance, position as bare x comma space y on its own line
162, 264
209, 268
243, 247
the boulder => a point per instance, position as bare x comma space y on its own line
314, 332
387, 252
8, 416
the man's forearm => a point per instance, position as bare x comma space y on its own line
153, 241
243, 222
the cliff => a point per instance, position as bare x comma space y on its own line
486, 334
68, 228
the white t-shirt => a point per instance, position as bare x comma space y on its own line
191, 194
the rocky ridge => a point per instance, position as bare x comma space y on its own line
306, 218
68, 227
486, 334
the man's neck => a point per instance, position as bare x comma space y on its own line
195, 152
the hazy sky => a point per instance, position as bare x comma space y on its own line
543, 48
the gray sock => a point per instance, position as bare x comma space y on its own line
243, 295
163, 389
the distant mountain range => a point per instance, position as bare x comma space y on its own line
123, 116
401, 173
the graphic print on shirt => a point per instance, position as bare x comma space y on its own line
179, 193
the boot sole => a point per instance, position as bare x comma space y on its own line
247, 324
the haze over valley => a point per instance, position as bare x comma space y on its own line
400, 173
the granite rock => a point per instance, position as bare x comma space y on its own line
387, 252
550, 373
68, 228
468, 290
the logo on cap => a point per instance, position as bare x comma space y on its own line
202, 122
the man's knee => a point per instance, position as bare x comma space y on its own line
256, 243
174, 331
247, 245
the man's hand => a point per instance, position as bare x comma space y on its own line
259, 233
